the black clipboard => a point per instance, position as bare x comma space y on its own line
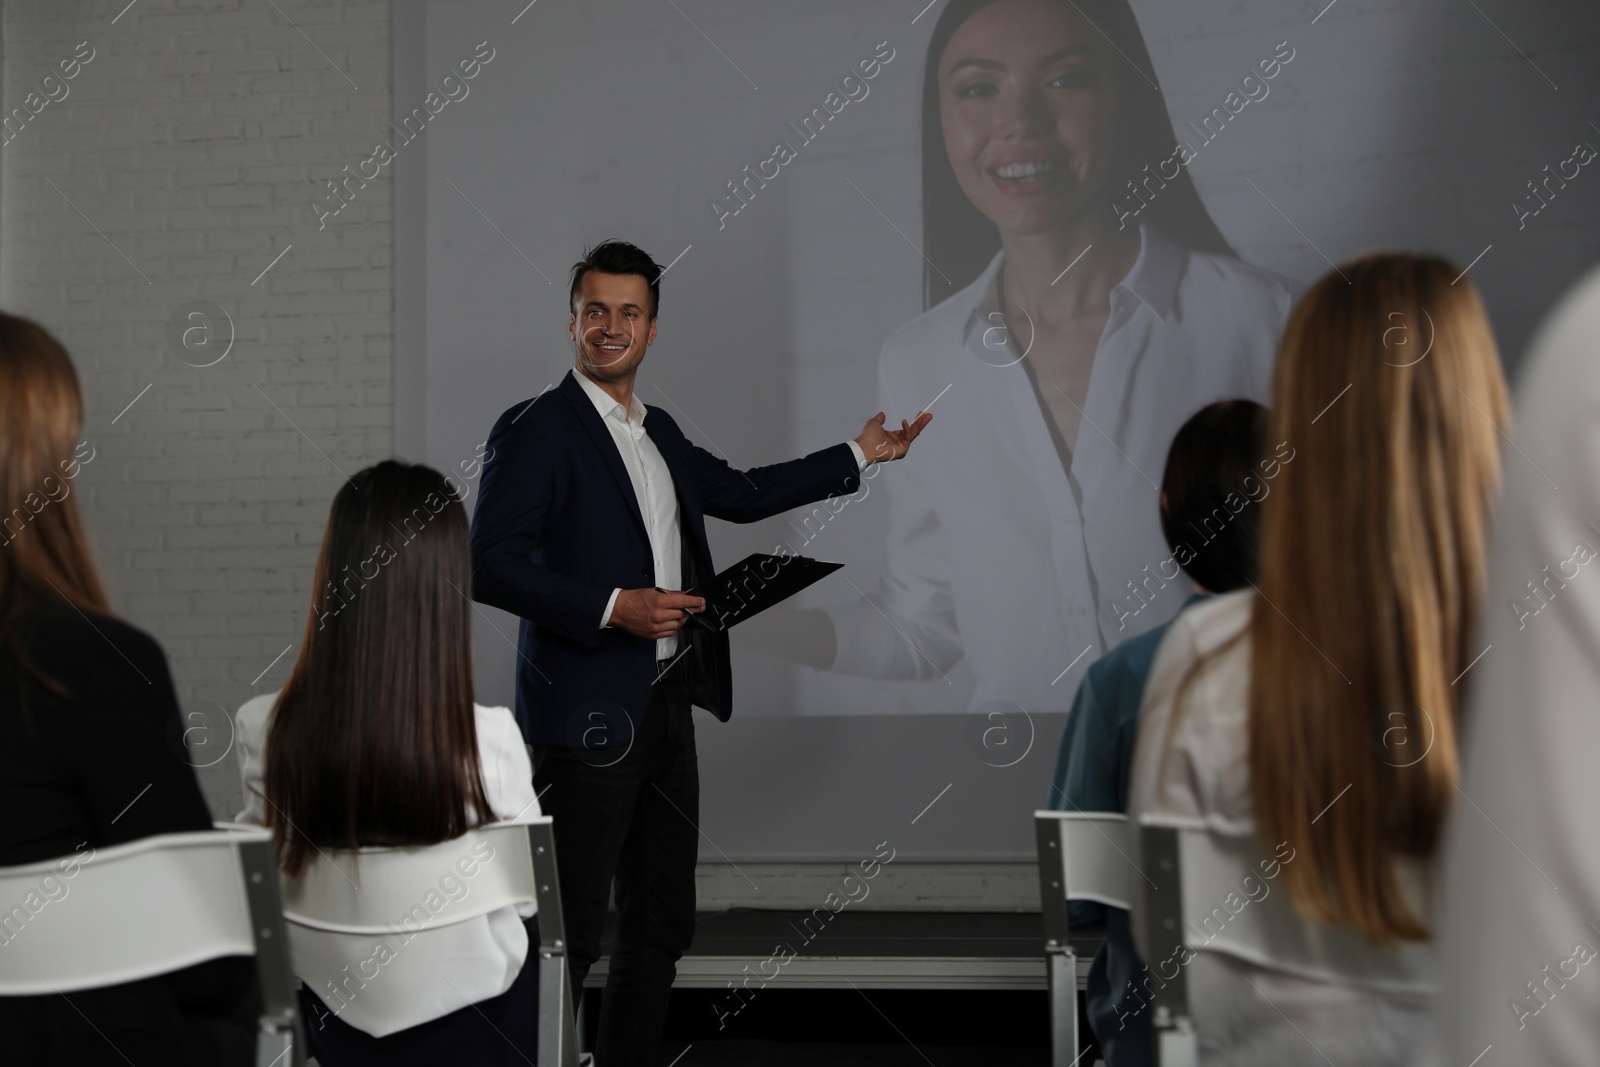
753, 585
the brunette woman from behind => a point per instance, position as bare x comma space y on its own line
376, 741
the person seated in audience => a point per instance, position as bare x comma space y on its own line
1520, 893
1216, 474
93, 754
376, 740
1319, 709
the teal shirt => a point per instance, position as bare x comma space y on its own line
1092, 771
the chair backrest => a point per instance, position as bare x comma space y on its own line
400, 891
552, 922
1082, 856
1218, 892
146, 908
1089, 852
406, 890
1213, 891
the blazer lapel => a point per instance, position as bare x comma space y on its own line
605, 444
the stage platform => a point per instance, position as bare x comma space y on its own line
868, 950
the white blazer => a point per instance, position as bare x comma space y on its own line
1520, 926
427, 975
996, 551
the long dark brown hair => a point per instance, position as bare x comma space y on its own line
45, 558
373, 739
962, 241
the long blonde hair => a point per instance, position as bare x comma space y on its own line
1373, 555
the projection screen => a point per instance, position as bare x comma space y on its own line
841, 238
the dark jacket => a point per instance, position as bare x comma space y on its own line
101, 764
558, 527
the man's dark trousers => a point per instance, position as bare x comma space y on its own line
631, 811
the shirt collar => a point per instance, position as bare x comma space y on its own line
607, 405
1153, 280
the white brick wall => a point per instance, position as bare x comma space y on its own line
196, 140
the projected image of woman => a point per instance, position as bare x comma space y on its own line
1070, 333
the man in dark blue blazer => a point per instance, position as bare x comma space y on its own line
590, 523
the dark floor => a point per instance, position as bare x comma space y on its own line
858, 1028
752, 932
784, 1026
778, 1054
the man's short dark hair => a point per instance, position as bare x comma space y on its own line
1216, 455
618, 257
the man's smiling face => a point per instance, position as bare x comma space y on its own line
613, 320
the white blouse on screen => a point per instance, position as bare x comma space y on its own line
433, 972
998, 552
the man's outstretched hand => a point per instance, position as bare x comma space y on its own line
881, 446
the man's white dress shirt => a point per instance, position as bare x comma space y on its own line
655, 492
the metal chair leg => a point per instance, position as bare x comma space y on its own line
1175, 1043
277, 1044
558, 1038
1062, 964
558, 1035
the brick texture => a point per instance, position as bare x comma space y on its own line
175, 166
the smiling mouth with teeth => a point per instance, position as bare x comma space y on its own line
610, 347
1024, 172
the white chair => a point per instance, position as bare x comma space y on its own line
1217, 892
364, 891
1082, 856
149, 907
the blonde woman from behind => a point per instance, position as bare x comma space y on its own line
1318, 709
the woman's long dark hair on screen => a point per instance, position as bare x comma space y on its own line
961, 241
373, 739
